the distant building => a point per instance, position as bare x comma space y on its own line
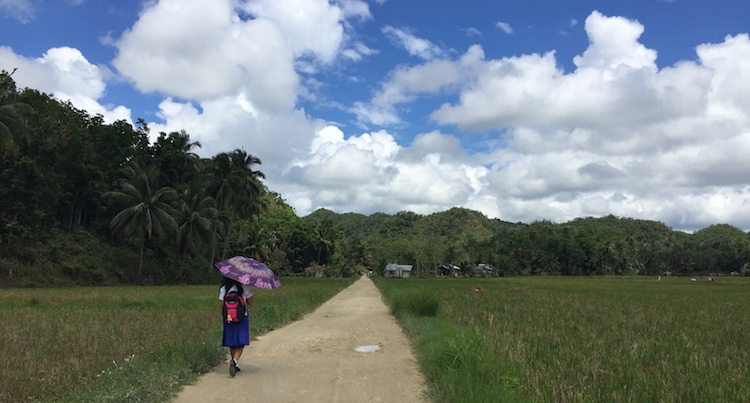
486, 269
397, 270
450, 270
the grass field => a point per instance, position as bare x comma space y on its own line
124, 344
579, 339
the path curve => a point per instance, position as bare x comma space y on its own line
314, 359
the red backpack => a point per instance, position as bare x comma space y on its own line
233, 309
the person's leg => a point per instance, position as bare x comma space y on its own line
244, 338
232, 362
237, 353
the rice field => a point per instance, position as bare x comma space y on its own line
127, 343
596, 339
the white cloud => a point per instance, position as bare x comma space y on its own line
471, 32
310, 27
614, 43
371, 172
207, 52
405, 84
354, 9
380, 116
505, 27
616, 136
22, 10
358, 51
416, 46
65, 73
231, 122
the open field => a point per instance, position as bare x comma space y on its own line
583, 339
127, 343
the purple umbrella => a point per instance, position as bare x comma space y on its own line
248, 271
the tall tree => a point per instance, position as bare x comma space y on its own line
327, 237
147, 211
236, 188
172, 153
198, 223
14, 117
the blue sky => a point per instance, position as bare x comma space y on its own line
523, 110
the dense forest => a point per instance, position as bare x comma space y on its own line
87, 202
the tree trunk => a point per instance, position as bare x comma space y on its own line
140, 263
210, 263
182, 268
229, 232
241, 234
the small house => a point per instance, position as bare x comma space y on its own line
486, 269
450, 270
397, 270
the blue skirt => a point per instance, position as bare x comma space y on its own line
236, 334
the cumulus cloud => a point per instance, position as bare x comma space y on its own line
372, 172
227, 123
519, 138
65, 73
230, 70
207, 52
318, 31
616, 136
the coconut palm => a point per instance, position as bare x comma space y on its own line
147, 211
236, 188
173, 155
13, 116
199, 223
326, 235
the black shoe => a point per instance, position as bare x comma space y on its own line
232, 368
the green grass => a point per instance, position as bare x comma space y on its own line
587, 339
125, 344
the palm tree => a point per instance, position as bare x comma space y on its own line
172, 154
262, 242
13, 116
326, 235
199, 223
147, 212
236, 188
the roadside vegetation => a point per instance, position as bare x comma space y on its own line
128, 344
577, 339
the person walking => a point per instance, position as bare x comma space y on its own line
236, 334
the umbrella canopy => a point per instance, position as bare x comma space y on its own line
248, 271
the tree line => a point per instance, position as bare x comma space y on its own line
88, 202
585, 246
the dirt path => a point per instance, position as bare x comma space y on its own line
315, 358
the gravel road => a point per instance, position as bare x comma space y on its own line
348, 350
